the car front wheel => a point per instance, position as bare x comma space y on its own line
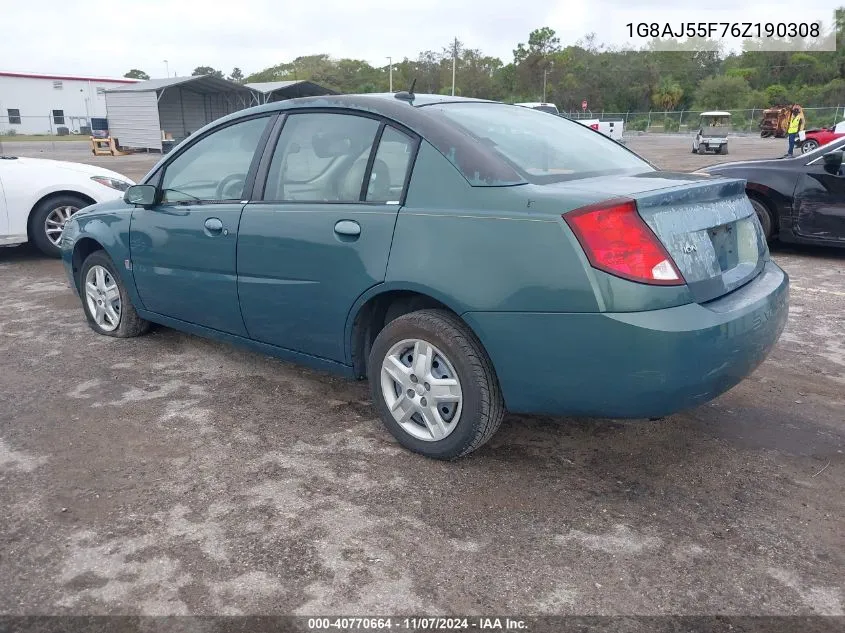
48, 220
107, 305
434, 385
809, 146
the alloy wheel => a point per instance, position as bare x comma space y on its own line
55, 223
421, 389
103, 298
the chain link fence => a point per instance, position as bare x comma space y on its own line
687, 121
55, 123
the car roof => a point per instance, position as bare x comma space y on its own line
716, 113
374, 99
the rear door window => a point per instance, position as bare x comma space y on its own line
390, 167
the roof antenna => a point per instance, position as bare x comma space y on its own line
409, 94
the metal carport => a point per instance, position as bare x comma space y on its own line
280, 90
142, 115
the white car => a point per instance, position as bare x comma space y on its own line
37, 197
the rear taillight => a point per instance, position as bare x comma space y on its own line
617, 241
594, 126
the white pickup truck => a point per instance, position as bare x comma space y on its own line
613, 129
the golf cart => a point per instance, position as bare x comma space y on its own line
712, 133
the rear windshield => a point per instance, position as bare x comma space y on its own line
542, 148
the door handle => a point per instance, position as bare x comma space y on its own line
214, 226
347, 227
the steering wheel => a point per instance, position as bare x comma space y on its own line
226, 183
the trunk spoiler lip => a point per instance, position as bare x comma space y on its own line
688, 191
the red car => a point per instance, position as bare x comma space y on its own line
817, 138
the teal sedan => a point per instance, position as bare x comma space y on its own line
467, 257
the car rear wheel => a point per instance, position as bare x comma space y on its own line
434, 385
107, 305
48, 220
765, 216
809, 146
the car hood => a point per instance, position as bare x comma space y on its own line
45, 164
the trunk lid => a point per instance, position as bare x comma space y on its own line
706, 224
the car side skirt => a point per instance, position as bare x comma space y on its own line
314, 362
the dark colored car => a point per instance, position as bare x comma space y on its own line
799, 199
466, 256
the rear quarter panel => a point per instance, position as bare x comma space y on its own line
483, 248
774, 184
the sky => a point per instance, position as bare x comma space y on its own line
107, 38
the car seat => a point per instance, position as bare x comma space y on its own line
378, 188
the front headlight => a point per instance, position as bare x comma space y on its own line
112, 183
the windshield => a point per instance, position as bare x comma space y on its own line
542, 148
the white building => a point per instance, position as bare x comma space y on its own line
41, 104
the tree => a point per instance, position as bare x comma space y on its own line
668, 94
776, 95
137, 74
237, 75
206, 70
723, 93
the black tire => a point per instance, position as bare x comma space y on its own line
808, 146
765, 215
482, 406
38, 220
129, 323
723, 150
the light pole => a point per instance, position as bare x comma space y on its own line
390, 61
167, 67
454, 63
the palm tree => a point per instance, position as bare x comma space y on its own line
668, 94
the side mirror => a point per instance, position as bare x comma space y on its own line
141, 195
833, 161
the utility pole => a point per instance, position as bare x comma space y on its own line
547, 66
390, 61
545, 72
454, 63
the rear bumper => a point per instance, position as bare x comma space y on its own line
634, 364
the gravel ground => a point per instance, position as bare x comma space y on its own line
174, 475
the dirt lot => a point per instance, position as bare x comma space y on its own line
170, 475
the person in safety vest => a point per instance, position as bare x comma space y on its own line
796, 124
